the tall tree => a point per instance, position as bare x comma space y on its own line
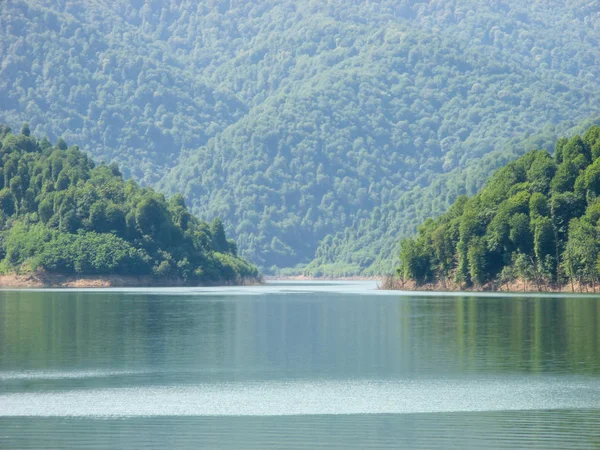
477, 257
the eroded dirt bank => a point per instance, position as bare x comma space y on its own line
41, 280
393, 283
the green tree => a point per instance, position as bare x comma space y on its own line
25, 130
97, 217
415, 265
526, 235
498, 231
477, 258
219, 239
544, 245
591, 179
576, 148
564, 178
564, 207
524, 268
16, 187
592, 137
520, 233
115, 220
61, 144
45, 210
538, 206
507, 275
443, 249
541, 172
150, 216
581, 253
79, 228
7, 202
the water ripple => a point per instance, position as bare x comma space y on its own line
310, 398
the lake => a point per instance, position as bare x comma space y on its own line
297, 365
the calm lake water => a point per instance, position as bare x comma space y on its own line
297, 365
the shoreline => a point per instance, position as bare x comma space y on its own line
310, 278
45, 280
515, 287
50, 280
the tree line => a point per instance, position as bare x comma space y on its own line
62, 213
309, 127
536, 219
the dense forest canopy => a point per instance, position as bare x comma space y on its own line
536, 219
308, 126
61, 213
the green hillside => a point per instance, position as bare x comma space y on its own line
349, 251
536, 219
61, 213
307, 126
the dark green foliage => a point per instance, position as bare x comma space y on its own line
558, 149
530, 221
540, 173
153, 220
7, 202
564, 180
564, 207
62, 214
61, 144
217, 230
574, 149
25, 130
520, 234
544, 241
45, 210
320, 129
581, 252
591, 138
442, 243
416, 263
538, 206
477, 258
92, 254
591, 181
545, 248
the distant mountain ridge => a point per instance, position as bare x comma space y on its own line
307, 126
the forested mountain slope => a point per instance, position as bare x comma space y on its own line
353, 249
299, 121
536, 219
61, 213
96, 73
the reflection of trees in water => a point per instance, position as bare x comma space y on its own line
73, 329
526, 334
298, 335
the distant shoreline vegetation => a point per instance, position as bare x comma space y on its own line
533, 226
61, 214
321, 132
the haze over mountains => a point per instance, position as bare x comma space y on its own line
319, 131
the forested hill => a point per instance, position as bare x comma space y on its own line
536, 219
60, 213
301, 123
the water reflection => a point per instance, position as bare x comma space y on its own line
305, 351
298, 335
